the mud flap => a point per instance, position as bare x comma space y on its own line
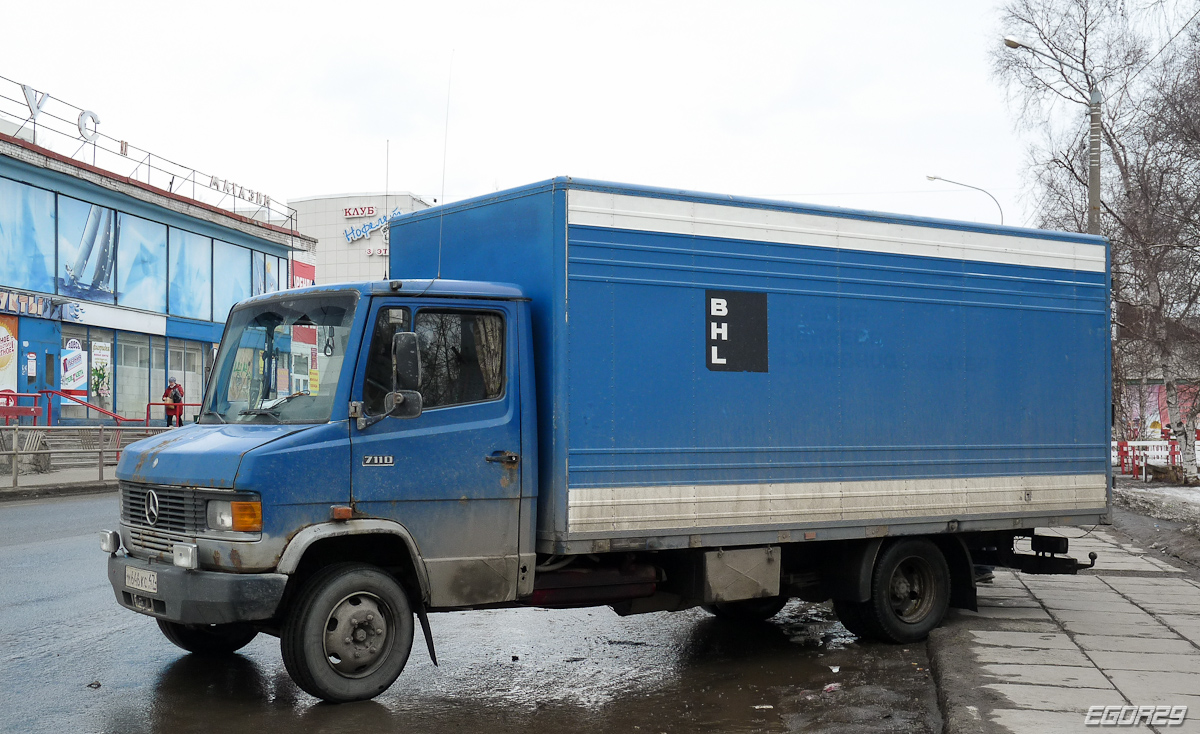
421, 615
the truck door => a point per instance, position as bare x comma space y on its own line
451, 476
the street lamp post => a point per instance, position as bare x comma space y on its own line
1093, 225
969, 186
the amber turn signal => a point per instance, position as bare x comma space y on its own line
341, 512
247, 516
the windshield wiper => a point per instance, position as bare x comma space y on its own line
218, 415
261, 411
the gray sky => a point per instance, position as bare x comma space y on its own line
847, 104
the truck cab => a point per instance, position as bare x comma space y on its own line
408, 450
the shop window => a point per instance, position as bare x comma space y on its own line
191, 275
141, 264
462, 356
26, 237
133, 374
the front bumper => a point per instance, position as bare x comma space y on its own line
198, 597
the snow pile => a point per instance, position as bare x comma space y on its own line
1178, 504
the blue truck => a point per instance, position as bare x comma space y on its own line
578, 393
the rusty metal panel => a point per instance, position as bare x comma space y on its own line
746, 573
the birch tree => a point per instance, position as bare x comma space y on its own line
1147, 71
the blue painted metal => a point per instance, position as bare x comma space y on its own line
882, 366
198, 456
201, 331
455, 503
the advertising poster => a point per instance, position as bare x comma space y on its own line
100, 376
272, 281
314, 376
8, 353
142, 264
191, 275
74, 371
88, 236
26, 236
303, 274
233, 264
257, 272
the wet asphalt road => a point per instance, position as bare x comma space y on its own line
518, 670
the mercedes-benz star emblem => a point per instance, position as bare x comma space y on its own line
152, 507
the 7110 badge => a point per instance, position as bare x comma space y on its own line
379, 461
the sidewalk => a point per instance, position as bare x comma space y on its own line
81, 480
1042, 650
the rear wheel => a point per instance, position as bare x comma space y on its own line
747, 610
855, 616
348, 635
208, 639
910, 592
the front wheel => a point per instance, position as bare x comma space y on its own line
348, 635
208, 639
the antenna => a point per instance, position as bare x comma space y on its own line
445, 141
387, 230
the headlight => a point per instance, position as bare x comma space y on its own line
242, 517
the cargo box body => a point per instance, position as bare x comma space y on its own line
722, 371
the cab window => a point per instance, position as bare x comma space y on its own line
462, 356
379, 358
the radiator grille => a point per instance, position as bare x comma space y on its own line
180, 510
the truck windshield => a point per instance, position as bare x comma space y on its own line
280, 361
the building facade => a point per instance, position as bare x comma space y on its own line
108, 286
351, 232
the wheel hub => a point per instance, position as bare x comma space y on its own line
909, 589
356, 635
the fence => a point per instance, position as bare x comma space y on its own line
63, 454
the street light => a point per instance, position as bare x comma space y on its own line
1093, 226
969, 186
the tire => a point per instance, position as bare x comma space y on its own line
348, 634
910, 592
855, 616
208, 639
747, 610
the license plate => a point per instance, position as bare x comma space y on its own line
136, 578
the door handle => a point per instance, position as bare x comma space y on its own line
507, 458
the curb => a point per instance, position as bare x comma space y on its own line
952, 670
57, 490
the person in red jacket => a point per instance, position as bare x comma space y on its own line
173, 394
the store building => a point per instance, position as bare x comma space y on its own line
351, 232
109, 285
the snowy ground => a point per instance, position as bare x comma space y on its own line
1165, 502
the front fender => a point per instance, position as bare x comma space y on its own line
289, 561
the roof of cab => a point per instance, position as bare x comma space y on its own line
438, 288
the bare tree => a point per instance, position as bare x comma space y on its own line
1151, 182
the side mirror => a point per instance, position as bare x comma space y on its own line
406, 361
402, 404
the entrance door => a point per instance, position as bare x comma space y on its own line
451, 476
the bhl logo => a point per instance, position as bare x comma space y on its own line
736, 323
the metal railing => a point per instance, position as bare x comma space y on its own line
30, 452
165, 405
118, 418
73, 132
